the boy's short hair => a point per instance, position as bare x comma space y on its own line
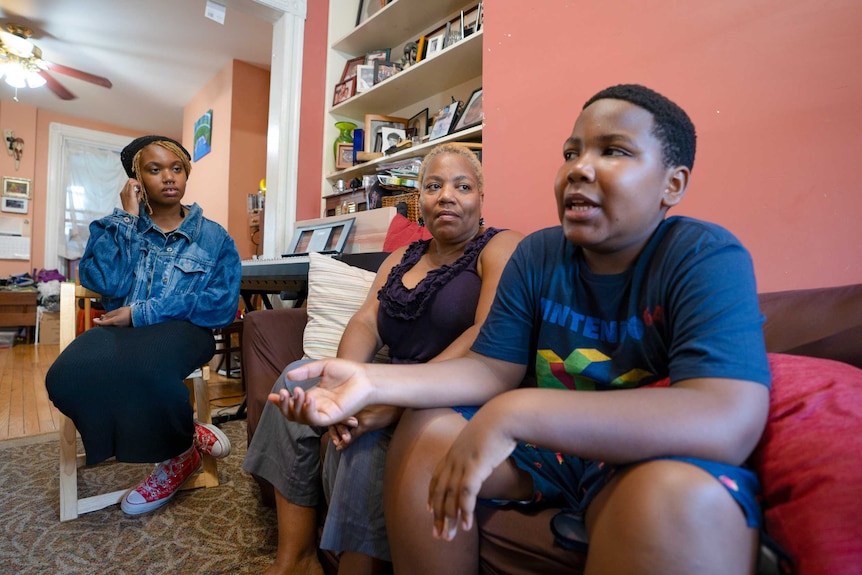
673, 127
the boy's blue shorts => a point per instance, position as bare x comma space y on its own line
574, 482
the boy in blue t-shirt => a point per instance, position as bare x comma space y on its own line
663, 312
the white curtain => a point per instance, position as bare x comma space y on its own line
92, 180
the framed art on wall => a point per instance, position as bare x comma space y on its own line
203, 135
16, 188
14, 205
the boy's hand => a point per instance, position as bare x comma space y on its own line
480, 447
343, 390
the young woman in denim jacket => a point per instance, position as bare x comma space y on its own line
168, 277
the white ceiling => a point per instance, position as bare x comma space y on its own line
157, 53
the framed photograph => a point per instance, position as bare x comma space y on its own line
364, 78
16, 188
419, 124
391, 136
376, 55
374, 125
434, 45
350, 68
344, 91
444, 119
14, 205
472, 114
471, 20
343, 156
384, 69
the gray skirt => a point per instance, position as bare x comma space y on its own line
288, 455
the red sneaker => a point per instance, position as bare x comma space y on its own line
211, 440
165, 480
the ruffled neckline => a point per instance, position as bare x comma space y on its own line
402, 303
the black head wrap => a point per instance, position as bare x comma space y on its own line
127, 156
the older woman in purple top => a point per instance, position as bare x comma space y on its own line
427, 303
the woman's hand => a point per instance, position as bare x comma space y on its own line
480, 447
371, 418
131, 196
121, 317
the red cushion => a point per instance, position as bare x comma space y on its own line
810, 463
402, 232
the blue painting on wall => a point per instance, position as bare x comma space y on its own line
203, 135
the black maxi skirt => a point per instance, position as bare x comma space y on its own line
123, 388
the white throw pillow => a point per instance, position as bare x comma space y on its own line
335, 292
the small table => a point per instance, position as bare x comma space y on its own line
18, 308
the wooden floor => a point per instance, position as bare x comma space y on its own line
25, 409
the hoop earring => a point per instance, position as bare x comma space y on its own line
421, 222
481, 222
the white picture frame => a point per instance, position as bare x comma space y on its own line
364, 77
15, 205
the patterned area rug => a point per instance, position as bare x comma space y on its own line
223, 529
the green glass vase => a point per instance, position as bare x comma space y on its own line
345, 136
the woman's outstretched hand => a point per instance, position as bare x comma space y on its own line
343, 390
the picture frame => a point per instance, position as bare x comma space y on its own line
344, 91
203, 131
444, 119
350, 67
384, 69
364, 78
472, 114
472, 22
374, 125
419, 124
434, 44
390, 137
16, 188
14, 205
343, 156
375, 55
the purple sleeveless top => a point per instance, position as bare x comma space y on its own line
419, 323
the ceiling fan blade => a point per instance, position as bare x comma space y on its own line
56, 86
73, 73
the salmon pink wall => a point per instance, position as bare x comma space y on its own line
221, 180
773, 86
33, 125
313, 106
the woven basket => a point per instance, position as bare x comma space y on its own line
410, 198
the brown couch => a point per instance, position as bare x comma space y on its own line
818, 323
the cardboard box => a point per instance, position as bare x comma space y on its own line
49, 327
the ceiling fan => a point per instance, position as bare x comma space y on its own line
22, 64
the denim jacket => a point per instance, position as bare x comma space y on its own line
192, 273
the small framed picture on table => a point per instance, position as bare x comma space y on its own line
344, 91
